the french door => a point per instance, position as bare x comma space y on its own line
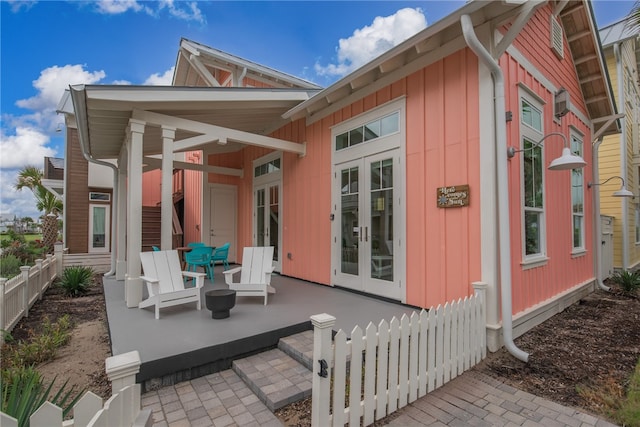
267, 218
367, 228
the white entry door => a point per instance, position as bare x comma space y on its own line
367, 228
223, 215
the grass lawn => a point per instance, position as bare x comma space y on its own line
28, 237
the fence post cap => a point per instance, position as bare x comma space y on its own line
122, 365
25, 268
322, 320
480, 285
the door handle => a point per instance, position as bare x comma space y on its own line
366, 234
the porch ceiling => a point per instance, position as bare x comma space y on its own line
104, 113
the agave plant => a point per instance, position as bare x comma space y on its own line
629, 281
23, 392
76, 280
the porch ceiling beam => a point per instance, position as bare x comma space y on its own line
578, 35
154, 163
220, 133
560, 6
193, 143
597, 99
608, 121
590, 78
203, 71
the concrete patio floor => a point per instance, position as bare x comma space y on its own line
186, 343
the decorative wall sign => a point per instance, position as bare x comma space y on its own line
454, 196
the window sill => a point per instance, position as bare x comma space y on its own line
577, 253
534, 262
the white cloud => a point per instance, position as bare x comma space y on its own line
373, 40
158, 79
13, 202
18, 5
121, 82
187, 11
114, 7
27, 147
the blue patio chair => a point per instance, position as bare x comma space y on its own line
155, 248
221, 254
196, 244
200, 256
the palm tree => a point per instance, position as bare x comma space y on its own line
31, 177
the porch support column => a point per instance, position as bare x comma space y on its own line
166, 224
133, 283
121, 215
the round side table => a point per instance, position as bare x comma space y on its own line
220, 301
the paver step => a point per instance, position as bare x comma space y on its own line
300, 347
275, 377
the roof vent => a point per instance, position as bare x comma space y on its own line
557, 38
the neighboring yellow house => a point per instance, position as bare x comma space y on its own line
620, 154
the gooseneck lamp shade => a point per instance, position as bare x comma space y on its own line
622, 192
566, 161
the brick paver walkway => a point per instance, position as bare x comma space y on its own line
473, 399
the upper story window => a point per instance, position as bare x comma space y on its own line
531, 119
577, 197
370, 131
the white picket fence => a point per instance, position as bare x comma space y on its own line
395, 363
19, 293
122, 409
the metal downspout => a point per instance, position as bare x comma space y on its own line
597, 235
114, 204
623, 157
502, 184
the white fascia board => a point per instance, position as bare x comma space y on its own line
155, 163
141, 94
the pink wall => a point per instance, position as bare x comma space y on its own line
562, 271
152, 193
443, 245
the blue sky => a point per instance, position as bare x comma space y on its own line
47, 45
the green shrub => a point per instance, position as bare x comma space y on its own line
76, 280
23, 392
629, 281
42, 347
9, 266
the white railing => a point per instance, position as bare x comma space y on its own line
122, 409
393, 364
19, 293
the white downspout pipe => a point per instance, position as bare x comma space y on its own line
503, 187
623, 157
597, 234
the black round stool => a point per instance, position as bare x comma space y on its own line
220, 301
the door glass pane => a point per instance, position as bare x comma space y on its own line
260, 217
99, 237
382, 220
350, 227
273, 220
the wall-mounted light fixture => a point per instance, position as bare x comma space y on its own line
566, 161
622, 192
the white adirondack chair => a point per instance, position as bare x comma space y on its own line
255, 273
165, 281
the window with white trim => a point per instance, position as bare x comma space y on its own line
375, 129
577, 197
531, 119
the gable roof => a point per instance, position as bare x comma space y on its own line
200, 65
619, 32
445, 36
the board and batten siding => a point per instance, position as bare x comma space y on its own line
76, 196
443, 245
562, 270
